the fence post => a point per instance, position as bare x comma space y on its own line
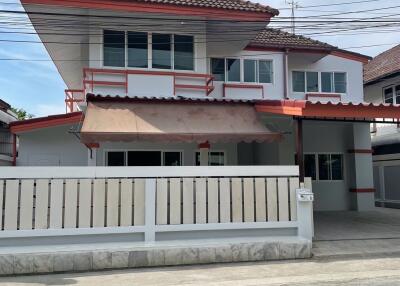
305, 200
150, 210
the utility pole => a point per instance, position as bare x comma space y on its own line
294, 5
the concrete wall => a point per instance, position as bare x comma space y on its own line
51, 147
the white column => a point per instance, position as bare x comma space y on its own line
362, 179
305, 199
150, 210
92, 157
204, 153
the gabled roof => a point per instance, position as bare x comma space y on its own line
271, 38
276, 38
383, 65
239, 5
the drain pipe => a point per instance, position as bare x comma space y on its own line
285, 74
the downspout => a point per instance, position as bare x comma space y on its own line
14, 151
285, 74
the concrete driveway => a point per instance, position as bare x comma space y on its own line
350, 234
381, 223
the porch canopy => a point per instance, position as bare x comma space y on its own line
367, 112
173, 122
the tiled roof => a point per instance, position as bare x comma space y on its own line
383, 65
107, 97
238, 5
280, 39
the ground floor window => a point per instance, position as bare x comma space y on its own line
323, 166
143, 158
215, 158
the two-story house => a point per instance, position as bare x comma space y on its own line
382, 86
166, 83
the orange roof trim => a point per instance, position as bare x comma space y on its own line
203, 10
44, 122
304, 108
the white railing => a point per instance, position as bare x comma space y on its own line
62, 201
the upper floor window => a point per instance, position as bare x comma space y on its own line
137, 50
333, 82
253, 71
167, 51
162, 56
329, 82
183, 52
233, 68
392, 94
114, 48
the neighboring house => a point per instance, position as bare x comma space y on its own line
8, 144
202, 83
382, 85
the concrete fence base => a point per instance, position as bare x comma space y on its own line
36, 262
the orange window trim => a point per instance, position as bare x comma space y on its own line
158, 8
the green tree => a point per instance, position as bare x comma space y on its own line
21, 113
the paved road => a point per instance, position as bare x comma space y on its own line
324, 271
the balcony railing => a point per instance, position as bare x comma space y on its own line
72, 99
120, 78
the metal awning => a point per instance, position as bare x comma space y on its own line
173, 122
367, 112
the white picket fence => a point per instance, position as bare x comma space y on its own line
42, 201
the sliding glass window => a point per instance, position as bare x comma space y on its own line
233, 69
265, 72
162, 54
250, 70
137, 50
114, 48
218, 69
183, 52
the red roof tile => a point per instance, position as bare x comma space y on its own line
238, 5
383, 65
279, 39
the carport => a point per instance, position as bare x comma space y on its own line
349, 233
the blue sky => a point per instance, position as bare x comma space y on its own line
37, 87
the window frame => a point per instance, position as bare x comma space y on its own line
319, 81
316, 158
150, 51
242, 59
162, 151
394, 96
210, 151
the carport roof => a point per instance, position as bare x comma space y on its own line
345, 111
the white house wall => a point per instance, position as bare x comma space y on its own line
354, 70
53, 146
